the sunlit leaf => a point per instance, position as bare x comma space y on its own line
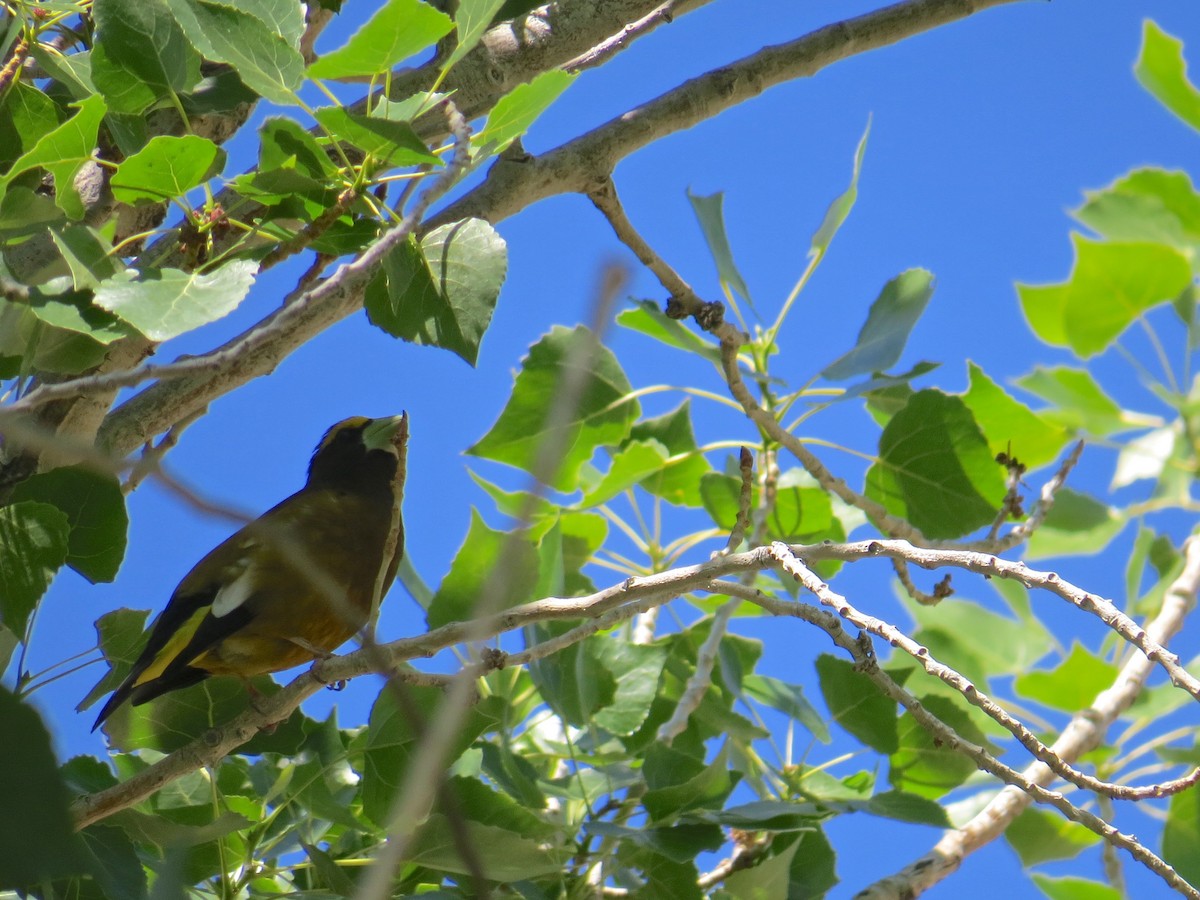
165, 303
1162, 70
1110, 285
1071, 685
519, 108
443, 291
471, 20
475, 574
266, 61
1040, 837
1012, 427
166, 167
397, 30
1077, 524
601, 415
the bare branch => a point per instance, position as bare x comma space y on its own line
1085, 731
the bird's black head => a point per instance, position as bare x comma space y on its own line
357, 455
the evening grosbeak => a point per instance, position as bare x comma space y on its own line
292, 585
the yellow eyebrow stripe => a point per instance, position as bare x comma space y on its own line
173, 647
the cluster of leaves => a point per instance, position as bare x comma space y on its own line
133, 63
558, 774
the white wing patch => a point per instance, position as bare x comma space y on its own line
234, 593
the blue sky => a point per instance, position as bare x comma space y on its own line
984, 134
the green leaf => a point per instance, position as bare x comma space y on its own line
921, 766
892, 317
764, 815
814, 866
502, 855
471, 20
517, 110
166, 168
73, 71
1079, 402
474, 574
1162, 71
38, 347
573, 682
266, 62
22, 213
283, 144
602, 415
935, 468
1181, 835
649, 320
1077, 524
857, 704
140, 55
908, 807
1071, 888
33, 546
390, 143
1111, 285
802, 512
710, 215
120, 635
1010, 426
26, 115
635, 461
165, 303
678, 482
398, 723
679, 843
1001, 644
788, 699
636, 670
73, 312
113, 862
88, 254
1070, 686
95, 510
1150, 205
1040, 837
398, 29
176, 718
36, 829
283, 17
705, 789
443, 292
836, 215
62, 152
768, 880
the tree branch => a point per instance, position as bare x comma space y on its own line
1085, 731
576, 166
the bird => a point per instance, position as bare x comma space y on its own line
294, 584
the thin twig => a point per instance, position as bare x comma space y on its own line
611, 46
1085, 731
950, 739
894, 636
